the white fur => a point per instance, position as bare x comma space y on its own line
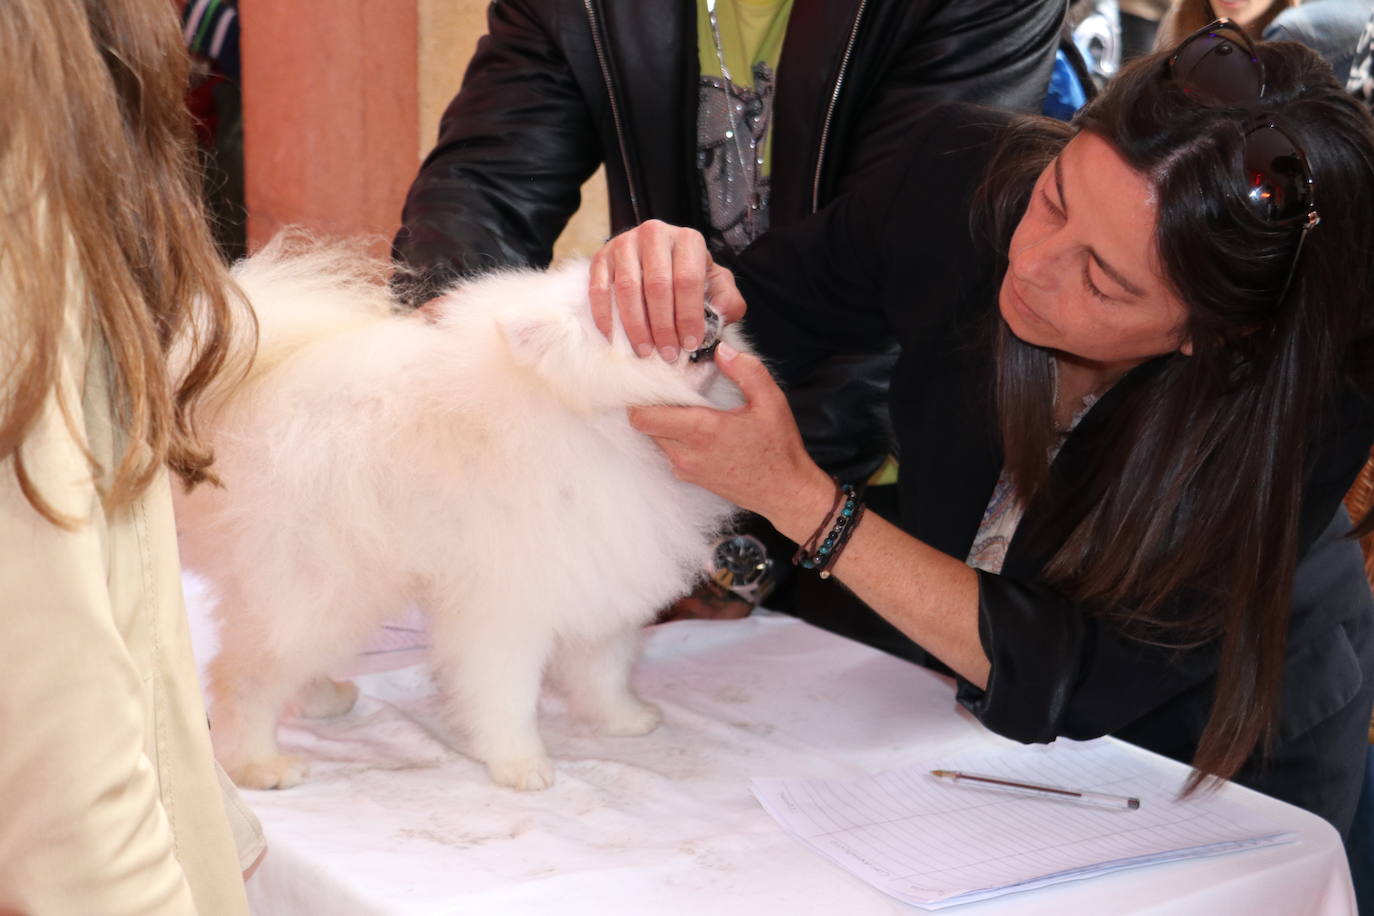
481, 464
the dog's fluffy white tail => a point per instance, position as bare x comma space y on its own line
303, 290
295, 291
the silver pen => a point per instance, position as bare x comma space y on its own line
1027, 788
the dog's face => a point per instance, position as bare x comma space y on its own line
561, 345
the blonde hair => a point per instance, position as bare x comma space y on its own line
1187, 16
100, 197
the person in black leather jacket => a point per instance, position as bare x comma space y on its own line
1156, 354
557, 87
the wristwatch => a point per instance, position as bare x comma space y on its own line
740, 563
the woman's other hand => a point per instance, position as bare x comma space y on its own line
752, 456
659, 277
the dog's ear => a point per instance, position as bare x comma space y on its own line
552, 346
534, 337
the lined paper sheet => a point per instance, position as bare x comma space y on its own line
934, 843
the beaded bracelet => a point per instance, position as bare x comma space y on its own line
844, 539
822, 556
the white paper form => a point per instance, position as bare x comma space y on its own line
934, 843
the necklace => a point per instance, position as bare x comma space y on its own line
750, 161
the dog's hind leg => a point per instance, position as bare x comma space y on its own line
493, 668
595, 678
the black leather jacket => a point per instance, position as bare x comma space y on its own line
559, 86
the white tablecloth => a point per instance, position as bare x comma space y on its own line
394, 821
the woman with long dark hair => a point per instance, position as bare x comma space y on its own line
1133, 390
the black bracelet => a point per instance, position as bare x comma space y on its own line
811, 543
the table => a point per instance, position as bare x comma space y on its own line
395, 821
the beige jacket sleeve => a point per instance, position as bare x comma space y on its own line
108, 799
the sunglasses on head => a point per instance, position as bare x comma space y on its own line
1218, 65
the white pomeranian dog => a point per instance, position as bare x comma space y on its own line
475, 459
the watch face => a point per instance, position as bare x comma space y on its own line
740, 560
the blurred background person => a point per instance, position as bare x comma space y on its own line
1187, 16
1330, 27
1089, 55
210, 29
1095, 28
1361, 79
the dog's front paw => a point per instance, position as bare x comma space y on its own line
631, 719
280, 772
528, 774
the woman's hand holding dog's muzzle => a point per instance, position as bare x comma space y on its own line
752, 456
659, 276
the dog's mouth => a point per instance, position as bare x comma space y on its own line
705, 354
707, 351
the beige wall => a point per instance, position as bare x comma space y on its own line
342, 100
448, 35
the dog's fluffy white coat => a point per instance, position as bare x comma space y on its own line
480, 464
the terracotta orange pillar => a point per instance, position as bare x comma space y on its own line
330, 113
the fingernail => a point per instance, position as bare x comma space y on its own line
668, 353
644, 349
725, 351
689, 343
